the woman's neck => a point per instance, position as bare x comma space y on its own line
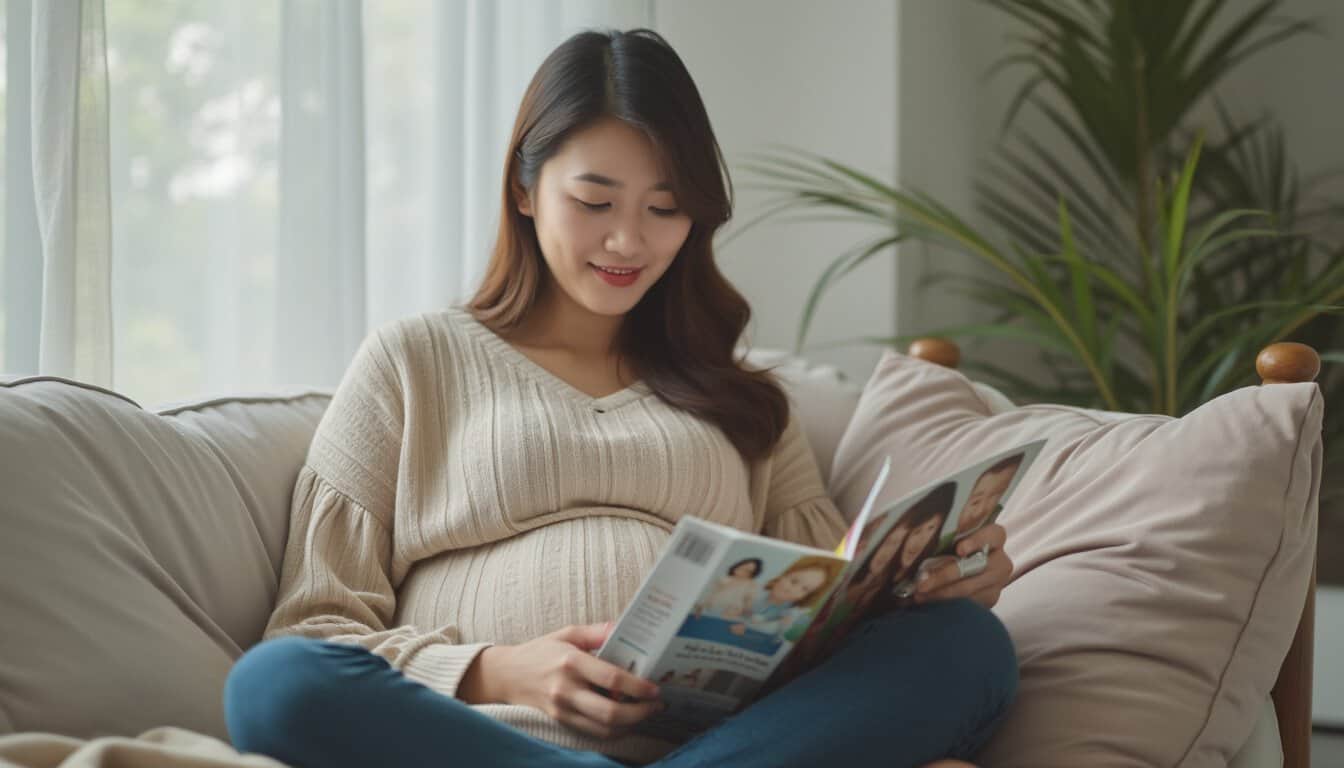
556, 321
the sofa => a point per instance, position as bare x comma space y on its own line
141, 553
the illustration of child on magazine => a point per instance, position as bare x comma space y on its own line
784, 605
982, 506
732, 595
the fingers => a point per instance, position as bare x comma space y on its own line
607, 716
586, 636
993, 536
594, 671
984, 588
572, 700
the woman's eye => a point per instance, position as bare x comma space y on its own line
592, 206
664, 211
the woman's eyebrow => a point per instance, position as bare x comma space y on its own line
597, 178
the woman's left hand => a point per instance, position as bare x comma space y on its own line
946, 583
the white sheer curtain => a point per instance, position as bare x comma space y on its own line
57, 219
277, 177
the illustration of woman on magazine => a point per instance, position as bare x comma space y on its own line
785, 603
732, 595
910, 539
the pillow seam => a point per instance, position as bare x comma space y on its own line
1278, 550
72, 382
243, 400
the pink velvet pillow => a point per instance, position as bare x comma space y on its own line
1161, 563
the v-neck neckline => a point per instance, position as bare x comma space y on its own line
544, 375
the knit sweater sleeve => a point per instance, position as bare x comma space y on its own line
796, 505
337, 579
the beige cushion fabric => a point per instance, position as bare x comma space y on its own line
140, 552
157, 748
1264, 747
824, 400
1161, 563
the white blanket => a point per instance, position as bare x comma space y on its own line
156, 748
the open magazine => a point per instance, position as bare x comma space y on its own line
725, 615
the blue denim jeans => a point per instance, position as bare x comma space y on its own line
905, 688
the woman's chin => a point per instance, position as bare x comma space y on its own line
607, 306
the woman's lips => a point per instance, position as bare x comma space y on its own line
619, 277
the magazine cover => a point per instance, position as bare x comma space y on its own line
725, 615
905, 538
718, 612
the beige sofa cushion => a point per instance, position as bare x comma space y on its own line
140, 552
822, 397
1161, 564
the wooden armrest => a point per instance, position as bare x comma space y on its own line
1281, 363
944, 352
1287, 362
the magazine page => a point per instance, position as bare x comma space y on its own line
734, 622
850, 543
905, 537
667, 594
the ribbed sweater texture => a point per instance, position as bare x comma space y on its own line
457, 494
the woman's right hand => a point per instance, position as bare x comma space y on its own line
556, 674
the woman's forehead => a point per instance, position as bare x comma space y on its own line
612, 154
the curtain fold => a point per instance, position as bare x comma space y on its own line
320, 261
70, 152
236, 193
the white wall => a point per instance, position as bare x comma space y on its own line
1302, 84
820, 76
834, 78
949, 117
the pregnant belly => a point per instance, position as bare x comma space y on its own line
578, 571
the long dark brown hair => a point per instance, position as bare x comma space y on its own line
680, 337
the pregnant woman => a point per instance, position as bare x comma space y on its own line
491, 483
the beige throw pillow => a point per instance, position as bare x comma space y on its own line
1161, 563
140, 552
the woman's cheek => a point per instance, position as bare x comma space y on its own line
670, 235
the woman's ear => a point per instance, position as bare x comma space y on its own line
521, 198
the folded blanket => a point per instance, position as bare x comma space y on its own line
157, 748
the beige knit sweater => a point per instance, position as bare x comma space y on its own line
457, 494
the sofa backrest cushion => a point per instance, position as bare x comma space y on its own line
140, 551
1161, 563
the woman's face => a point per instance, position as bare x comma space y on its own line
796, 585
985, 495
919, 537
886, 551
606, 219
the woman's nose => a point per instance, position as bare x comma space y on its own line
626, 237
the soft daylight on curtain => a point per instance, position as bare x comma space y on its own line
275, 178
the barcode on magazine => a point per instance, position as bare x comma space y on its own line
695, 548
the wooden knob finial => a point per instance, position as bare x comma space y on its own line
1287, 362
944, 352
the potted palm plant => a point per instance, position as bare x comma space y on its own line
1149, 274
